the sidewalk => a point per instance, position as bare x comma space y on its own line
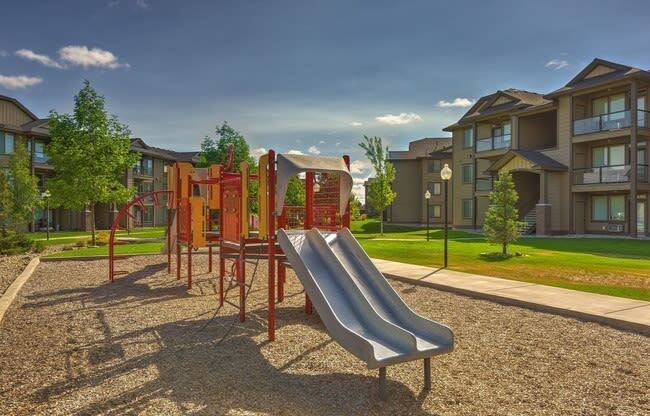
614, 311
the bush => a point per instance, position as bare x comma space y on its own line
102, 238
68, 247
15, 243
38, 247
81, 243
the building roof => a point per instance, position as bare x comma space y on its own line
19, 105
588, 77
537, 159
499, 102
421, 148
138, 145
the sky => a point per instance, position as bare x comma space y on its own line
304, 76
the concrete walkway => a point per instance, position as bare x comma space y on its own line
614, 311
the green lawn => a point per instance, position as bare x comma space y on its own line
615, 267
71, 237
140, 248
608, 266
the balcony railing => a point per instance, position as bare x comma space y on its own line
484, 184
41, 158
608, 174
610, 121
493, 143
141, 171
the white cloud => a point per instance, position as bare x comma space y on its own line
142, 4
321, 142
93, 57
556, 64
256, 153
3, 53
359, 166
458, 102
295, 152
18, 82
337, 144
37, 57
402, 118
356, 124
358, 188
314, 150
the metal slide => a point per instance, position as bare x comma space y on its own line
360, 309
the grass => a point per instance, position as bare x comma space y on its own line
139, 248
608, 266
71, 237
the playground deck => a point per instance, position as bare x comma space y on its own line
72, 343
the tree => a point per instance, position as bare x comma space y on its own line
90, 152
295, 195
24, 187
502, 225
215, 150
6, 202
355, 207
380, 192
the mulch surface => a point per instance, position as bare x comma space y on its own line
73, 344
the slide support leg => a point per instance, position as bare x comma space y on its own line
427, 373
382, 383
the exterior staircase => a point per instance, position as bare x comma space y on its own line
529, 222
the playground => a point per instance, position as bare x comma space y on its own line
145, 344
256, 307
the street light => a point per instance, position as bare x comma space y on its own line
46, 196
427, 197
445, 175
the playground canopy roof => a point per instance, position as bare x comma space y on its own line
290, 165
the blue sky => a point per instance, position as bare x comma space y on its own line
295, 75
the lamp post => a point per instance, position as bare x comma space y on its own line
46, 196
427, 197
445, 175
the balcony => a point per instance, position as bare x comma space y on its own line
610, 121
484, 184
493, 143
608, 174
142, 171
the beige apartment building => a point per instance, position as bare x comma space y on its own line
416, 171
19, 126
578, 155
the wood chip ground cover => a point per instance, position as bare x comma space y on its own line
74, 344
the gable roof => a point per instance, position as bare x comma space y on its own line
599, 71
19, 105
138, 145
501, 101
537, 159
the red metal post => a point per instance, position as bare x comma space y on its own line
178, 222
209, 259
271, 243
345, 219
189, 232
241, 279
309, 220
169, 239
282, 223
222, 272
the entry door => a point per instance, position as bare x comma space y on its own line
640, 217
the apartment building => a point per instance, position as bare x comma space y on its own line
416, 171
578, 155
19, 126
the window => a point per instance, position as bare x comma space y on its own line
144, 188
434, 188
608, 156
617, 208
39, 152
468, 208
608, 208
599, 106
468, 138
436, 211
468, 173
6, 143
608, 105
434, 166
146, 167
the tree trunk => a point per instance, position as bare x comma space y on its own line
92, 224
505, 249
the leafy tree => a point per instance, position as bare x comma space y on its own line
355, 207
295, 195
502, 225
90, 152
215, 150
380, 192
24, 187
6, 202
